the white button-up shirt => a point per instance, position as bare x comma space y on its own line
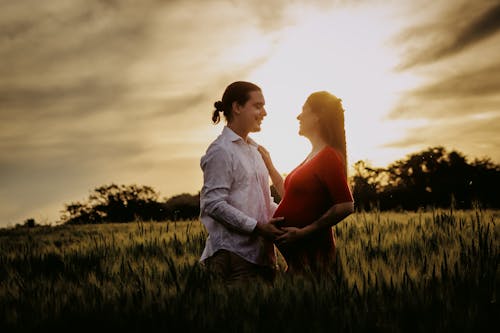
235, 197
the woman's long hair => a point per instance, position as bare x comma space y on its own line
330, 111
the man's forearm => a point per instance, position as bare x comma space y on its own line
232, 217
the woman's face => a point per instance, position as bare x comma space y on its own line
308, 121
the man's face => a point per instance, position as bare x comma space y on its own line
253, 112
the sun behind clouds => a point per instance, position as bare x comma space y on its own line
343, 51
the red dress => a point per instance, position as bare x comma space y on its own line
310, 190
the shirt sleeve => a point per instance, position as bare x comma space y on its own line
217, 179
332, 174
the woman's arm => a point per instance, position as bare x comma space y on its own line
276, 178
334, 215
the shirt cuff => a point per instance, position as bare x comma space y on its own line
249, 225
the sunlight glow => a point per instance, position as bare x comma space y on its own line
345, 52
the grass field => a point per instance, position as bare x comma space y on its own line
435, 271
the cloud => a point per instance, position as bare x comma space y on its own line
65, 62
272, 15
99, 91
452, 49
52, 38
480, 82
472, 92
455, 30
62, 100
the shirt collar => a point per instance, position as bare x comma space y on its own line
231, 135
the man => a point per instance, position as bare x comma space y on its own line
236, 204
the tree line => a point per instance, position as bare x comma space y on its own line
126, 203
430, 178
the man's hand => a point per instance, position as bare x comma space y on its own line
269, 230
290, 235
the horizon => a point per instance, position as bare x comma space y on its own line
468, 160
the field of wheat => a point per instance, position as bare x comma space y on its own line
429, 271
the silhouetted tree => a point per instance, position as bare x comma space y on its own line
183, 207
81, 213
28, 223
485, 182
432, 177
411, 180
365, 185
116, 203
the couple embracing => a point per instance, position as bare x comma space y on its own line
243, 222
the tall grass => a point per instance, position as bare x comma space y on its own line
398, 272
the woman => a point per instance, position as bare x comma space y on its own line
315, 195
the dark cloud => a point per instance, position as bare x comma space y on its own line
62, 62
58, 42
454, 51
61, 100
474, 83
472, 92
455, 30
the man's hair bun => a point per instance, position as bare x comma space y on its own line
219, 106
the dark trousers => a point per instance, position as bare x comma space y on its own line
234, 269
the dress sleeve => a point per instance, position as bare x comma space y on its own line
331, 172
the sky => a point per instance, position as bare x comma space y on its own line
100, 92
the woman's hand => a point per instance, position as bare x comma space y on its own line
291, 235
276, 178
266, 157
